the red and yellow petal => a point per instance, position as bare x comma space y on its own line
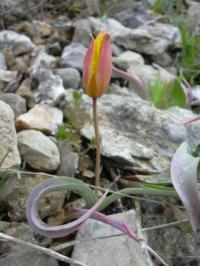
97, 67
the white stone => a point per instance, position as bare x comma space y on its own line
151, 39
39, 151
7, 75
73, 55
149, 75
128, 59
50, 89
20, 43
70, 76
41, 117
114, 27
106, 248
8, 137
3, 65
49, 60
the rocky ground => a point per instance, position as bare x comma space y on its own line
41, 57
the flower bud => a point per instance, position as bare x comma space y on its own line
97, 66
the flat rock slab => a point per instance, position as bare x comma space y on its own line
133, 132
108, 251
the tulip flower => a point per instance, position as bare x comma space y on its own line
97, 70
97, 66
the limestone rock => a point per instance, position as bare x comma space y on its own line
19, 230
19, 43
15, 192
10, 58
24, 90
150, 39
116, 50
88, 174
16, 102
128, 59
70, 76
63, 30
41, 117
133, 17
3, 65
69, 160
181, 240
15, 255
116, 250
114, 27
50, 89
133, 132
88, 8
39, 151
82, 32
73, 56
150, 75
193, 17
24, 256
35, 28
8, 137
43, 57
7, 75
163, 59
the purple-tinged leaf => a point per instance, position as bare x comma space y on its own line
107, 220
134, 79
196, 118
184, 178
55, 184
187, 89
81, 215
116, 224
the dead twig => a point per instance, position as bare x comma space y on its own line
161, 226
116, 177
140, 233
52, 253
74, 242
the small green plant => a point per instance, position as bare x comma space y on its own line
188, 56
69, 131
190, 53
75, 114
66, 132
169, 8
75, 118
74, 7
165, 95
160, 6
196, 153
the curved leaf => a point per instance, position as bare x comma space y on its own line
55, 184
184, 178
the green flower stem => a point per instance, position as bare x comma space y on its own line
96, 130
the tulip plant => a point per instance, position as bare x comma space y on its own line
97, 70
